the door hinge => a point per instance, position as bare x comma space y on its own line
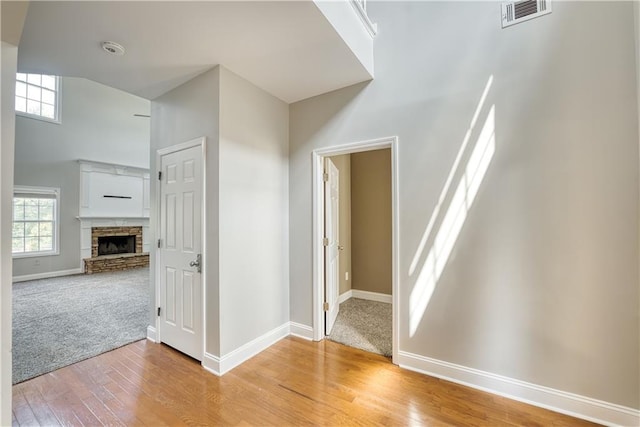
159, 243
325, 307
325, 177
325, 241
158, 311
159, 175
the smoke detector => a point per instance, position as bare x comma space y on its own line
113, 48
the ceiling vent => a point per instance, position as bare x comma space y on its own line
515, 12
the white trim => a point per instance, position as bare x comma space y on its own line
211, 363
57, 107
123, 219
112, 168
181, 146
301, 331
250, 349
151, 334
202, 143
318, 219
90, 170
46, 275
203, 243
371, 296
371, 28
221, 365
44, 191
544, 397
19, 255
36, 117
345, 296
395, 265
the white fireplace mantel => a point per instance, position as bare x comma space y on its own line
112, 195
110, 190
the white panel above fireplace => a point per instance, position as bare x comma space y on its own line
113, 191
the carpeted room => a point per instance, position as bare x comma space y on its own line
82, 170
364, 319
63, 320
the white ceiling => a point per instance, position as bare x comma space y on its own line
287, 48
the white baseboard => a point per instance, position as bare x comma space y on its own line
211, 363
544, 397
151, 334
301, 331
46, 275
221, 365
345, 296
371, 296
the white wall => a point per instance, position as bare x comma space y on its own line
542, 283
246, 261
345, 20
97, 123
9, 54
187, 112
254, 212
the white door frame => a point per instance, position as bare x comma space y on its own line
318, 229
201, 142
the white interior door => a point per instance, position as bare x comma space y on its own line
331, 273
180, 251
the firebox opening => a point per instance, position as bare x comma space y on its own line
109, 245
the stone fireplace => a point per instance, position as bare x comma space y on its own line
116, 248
114, 216
112, 245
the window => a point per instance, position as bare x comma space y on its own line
37, 96
35, 221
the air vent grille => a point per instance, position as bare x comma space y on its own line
525, 8
520, 11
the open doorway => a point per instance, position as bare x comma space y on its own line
355, 245
362, 317
80, 222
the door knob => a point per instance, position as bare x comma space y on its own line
196, 263
340, 247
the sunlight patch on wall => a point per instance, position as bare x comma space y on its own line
452, 173
453, 220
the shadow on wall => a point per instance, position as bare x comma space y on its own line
428, 268
326, 118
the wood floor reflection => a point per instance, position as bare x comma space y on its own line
294, 382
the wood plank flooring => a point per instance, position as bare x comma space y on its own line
294, 382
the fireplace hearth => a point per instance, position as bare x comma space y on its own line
115, 248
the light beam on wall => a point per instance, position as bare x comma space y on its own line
453, 220
452, 173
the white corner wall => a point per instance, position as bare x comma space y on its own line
254, 212
247, 189
187, 112
97, 123
541, 285
9, 54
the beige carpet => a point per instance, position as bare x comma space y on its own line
62, 320
365, 325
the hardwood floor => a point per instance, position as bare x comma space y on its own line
294, 382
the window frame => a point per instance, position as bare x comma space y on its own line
36, 191
57, 110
